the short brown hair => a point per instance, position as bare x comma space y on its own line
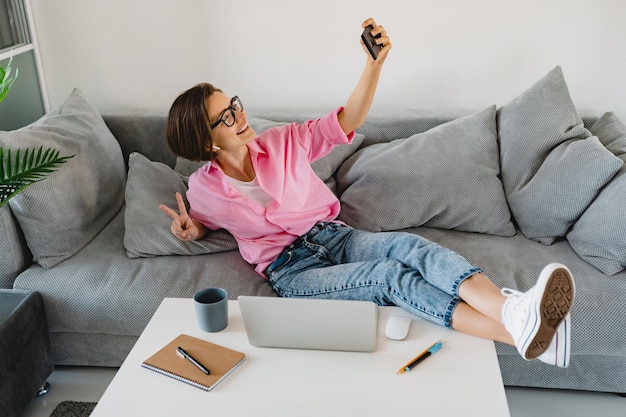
188, 128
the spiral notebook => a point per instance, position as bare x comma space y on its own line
219, 360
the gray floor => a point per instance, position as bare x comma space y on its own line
88, 384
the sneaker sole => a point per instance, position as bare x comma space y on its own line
555, 304
562, 340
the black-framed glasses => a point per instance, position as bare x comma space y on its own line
228, 115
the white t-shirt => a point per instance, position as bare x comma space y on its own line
252, 190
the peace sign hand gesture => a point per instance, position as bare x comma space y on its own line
183, 227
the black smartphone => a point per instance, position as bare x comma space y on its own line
368, 40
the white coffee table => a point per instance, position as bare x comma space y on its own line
463, 378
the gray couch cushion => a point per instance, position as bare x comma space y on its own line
60, 215
446, 177
599, 235
147, 232
549, 171
598, 346
325, 167
141, 131
100, 290
15, 256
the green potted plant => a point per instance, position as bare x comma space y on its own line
25, 166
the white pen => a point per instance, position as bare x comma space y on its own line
186, 355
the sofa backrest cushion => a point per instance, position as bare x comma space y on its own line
142, 132
61, 214
599, 235
446, 177
15, 255
147, 229
551, 169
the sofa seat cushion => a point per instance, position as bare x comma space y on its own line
61, 214
515, 262
551, 168
99, 289
599, 235
446, 177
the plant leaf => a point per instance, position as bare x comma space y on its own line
26, 168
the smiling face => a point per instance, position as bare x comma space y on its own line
221, 108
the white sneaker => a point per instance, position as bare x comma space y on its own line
558, 352
534, 317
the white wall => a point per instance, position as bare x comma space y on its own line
455, 54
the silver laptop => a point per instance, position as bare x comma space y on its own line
310, 323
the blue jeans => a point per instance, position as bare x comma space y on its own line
388, 268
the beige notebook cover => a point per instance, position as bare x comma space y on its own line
219, 360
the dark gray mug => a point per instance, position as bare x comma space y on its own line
211, 306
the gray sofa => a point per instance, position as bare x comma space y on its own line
510, 188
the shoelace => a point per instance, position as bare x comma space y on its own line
508, 292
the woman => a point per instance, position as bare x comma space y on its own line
263, 191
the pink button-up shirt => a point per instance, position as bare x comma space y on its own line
282, 159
